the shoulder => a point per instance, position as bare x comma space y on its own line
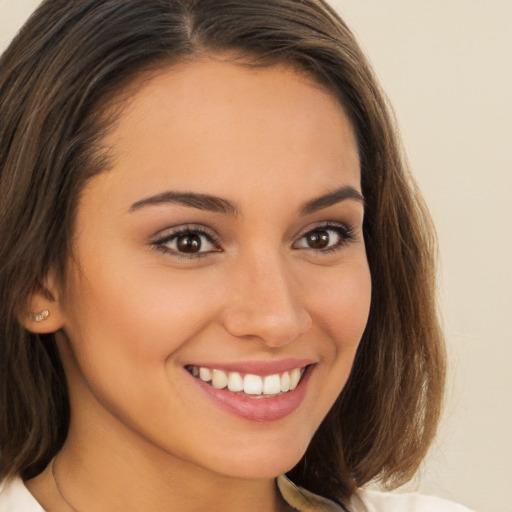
366, 500
15, 497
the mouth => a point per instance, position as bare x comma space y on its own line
249, 385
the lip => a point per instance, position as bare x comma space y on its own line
257, 409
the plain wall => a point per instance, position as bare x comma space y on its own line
447, 68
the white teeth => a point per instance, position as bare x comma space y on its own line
219, 379
294, 378
235, 382
271, 385
205, 374
250, 384
253, 385
285, 382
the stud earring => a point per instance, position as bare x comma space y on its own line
41, 316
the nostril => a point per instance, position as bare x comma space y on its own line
264, 302
272, 329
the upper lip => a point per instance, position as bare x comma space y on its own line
259, 367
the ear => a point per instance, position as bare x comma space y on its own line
43, 313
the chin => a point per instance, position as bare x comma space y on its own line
260, 462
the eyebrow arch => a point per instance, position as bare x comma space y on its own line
219, 205
200, 201
330, 199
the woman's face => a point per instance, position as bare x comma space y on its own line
223, 248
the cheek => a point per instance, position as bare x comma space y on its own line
133, 317
340, 302
342, 306
124, 335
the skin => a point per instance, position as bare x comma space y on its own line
131, 315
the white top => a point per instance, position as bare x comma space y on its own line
15, 497
365, 500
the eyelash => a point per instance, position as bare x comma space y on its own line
160, 244
345, 234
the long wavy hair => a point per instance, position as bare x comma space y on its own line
63, 81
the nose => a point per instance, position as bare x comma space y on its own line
266, 303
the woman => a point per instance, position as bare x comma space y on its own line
215, 268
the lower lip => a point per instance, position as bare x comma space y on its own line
257, 409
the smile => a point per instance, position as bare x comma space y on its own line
250, 385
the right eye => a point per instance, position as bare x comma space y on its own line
187, 243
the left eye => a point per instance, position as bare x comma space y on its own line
324, 238
187, 243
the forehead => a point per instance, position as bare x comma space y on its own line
198, 124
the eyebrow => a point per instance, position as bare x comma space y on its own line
219, 205
200, 201
331, 198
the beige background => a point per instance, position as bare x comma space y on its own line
447, 67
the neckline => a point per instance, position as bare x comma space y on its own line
303, 500
298, 498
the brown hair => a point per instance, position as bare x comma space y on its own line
59, 78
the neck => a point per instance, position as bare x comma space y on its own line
128, 476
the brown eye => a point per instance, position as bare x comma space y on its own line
318, 239
189, 243
325, 239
